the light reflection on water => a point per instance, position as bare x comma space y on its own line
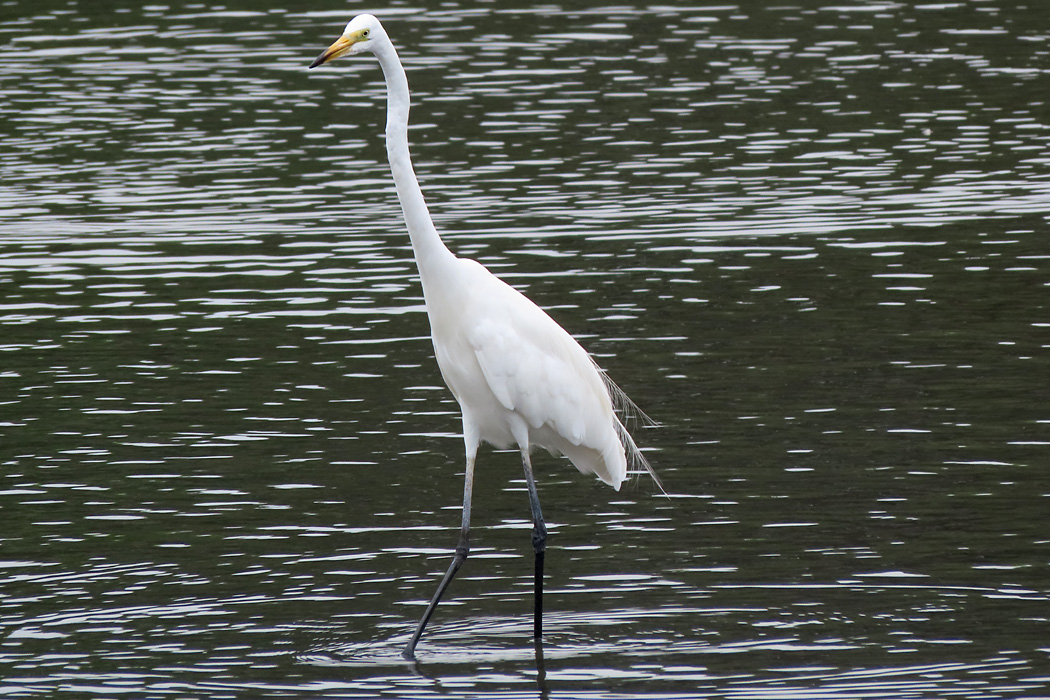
808, 242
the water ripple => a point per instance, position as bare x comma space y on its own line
809, 242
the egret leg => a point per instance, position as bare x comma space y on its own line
539, 543
462, 549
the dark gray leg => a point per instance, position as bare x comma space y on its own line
539, 543
462, 549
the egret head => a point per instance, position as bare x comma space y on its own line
361, 34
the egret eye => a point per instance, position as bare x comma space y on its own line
364, 33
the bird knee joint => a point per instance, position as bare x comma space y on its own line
539, 539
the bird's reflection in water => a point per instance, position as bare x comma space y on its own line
541, 670
421, 668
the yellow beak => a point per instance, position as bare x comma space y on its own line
340, 47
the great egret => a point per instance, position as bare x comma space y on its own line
520, 378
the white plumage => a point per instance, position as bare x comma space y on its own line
520, 378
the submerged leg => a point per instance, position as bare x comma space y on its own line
539, 543
462, 548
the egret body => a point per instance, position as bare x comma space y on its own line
520, 378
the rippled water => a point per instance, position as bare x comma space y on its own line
810, 240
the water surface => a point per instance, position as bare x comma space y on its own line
808, 240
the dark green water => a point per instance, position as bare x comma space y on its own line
809, 240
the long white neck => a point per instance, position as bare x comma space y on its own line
426, 243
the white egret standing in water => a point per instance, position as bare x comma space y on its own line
520, 378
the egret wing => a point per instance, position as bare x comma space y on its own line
536, 369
